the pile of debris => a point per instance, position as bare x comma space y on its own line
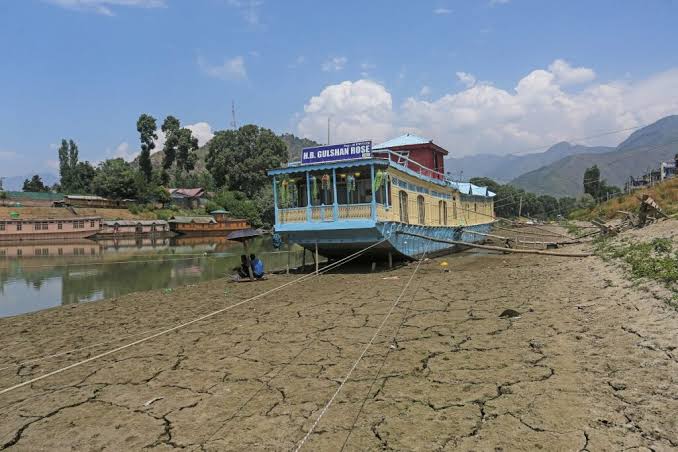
648, 213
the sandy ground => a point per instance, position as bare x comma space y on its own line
590, 364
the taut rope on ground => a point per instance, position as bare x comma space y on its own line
355, 364
185, 324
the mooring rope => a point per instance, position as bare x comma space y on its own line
182, 325
383, 361
355, 364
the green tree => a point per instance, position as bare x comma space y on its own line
75, 176
146, 127
35, 184
238, 159
115, 179
592, 183
170, 127
187, 144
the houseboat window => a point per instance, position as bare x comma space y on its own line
402, 199
354, 186
421, 208
2, 226
454, 208
60, 225
18, 226
60, 251
91, 223
321, 188
442, 212
475, 206
19, 252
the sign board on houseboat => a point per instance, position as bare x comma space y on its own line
334, 152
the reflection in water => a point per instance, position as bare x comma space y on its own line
32, 278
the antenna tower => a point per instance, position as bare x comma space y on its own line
234, 126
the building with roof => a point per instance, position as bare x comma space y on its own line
93, 202
416, 153
188, 198
218, 223
126, 228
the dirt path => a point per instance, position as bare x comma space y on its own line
590, 364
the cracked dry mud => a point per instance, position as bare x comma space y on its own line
591, 364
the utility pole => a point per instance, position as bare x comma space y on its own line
520, 206
234, 126
328, 130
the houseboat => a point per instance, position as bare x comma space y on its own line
217, 223
394, 197
131, 228
40, 248
49, 228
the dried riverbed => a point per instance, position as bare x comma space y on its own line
590, 364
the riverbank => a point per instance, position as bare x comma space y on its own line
589, 364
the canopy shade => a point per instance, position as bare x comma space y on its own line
244, 234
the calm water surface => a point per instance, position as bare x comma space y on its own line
39, 275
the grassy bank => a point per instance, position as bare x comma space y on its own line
666, 195
656, 260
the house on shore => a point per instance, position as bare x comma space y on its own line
188, 198
92, 201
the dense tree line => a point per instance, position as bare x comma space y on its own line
511, 201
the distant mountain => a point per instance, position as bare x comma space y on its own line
16, 183
644, 149
504, 168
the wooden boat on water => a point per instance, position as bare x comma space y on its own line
218, 223
345, 198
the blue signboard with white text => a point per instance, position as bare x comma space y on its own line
334, 152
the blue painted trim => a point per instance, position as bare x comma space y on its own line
275, 199
328, 166
374, 195
325, 226
308, 197
335, 204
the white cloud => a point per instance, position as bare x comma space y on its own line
122, 151
105, 7
539, 110
202, 131
249, 9
568, 75
499, 2
425, 91
357, 109
468, 80
334, 64
442, 11
233, 69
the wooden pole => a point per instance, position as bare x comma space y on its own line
317, 260
390, 260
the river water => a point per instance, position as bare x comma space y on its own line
40, 275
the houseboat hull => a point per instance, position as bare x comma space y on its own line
386, 237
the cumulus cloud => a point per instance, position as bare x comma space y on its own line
334, 64
425, 91
233, 69
442, 11
539, 110
568, 75
357, 109
466, 79
122, 151
105, 7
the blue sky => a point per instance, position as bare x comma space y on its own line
475, 76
